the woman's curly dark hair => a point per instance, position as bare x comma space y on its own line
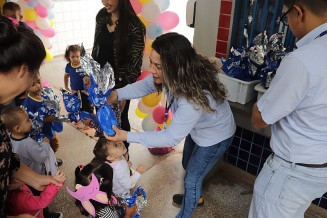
186, 73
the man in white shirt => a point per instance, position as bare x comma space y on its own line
295, 106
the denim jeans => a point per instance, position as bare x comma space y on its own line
285, 189
197, 161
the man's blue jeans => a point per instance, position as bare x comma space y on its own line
285, 189
198, 161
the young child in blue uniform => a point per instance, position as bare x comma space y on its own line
32, 104
75, 74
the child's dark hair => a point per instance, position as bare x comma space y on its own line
72, 48
9, 116
19, 46
100, 149
11, 6
103, 172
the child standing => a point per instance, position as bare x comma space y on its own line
75, 74
113, 154
13, 10
32, 104
103, 173
30, 152
22, 201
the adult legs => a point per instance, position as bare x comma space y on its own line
199, 164
283, 189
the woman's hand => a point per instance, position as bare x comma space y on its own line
121, 135
44, 181
113, 97
129, 211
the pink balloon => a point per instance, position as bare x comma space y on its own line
170, 114
158, 114
137, 6
168, 20
41, 11
45, 84
143, 75
31, 24
48, 32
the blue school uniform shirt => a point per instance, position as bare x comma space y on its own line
76, 75
32, 106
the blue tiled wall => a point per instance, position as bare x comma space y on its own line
249, 152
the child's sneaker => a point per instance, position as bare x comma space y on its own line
56, 215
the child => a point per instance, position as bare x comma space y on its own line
11, 9
102, 172
30, 152
32, 104
22, 201
112, 153
75, 73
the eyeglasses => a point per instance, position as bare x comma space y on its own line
284, 18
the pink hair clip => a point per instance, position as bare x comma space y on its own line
92, 191
81, 166
14, 21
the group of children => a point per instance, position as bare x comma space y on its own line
109, 165
115, 177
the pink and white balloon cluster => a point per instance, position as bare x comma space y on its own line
39, 15
155, 17
152, 110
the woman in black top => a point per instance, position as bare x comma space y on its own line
119, 40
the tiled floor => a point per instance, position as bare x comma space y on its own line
225, 195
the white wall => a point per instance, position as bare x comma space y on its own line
75, 22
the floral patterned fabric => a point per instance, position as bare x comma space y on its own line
9, 162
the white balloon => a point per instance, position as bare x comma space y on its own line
42, 23
163, 4
150, 11
46, 41
46, 3
23, 6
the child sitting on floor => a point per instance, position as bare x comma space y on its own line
22, 201
113, 154
31, 153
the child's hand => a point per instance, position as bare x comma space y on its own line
87, 81
45, 139
141, 169
60, 176
87, 121
129, 163
68, 89
85, 92
129, 211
